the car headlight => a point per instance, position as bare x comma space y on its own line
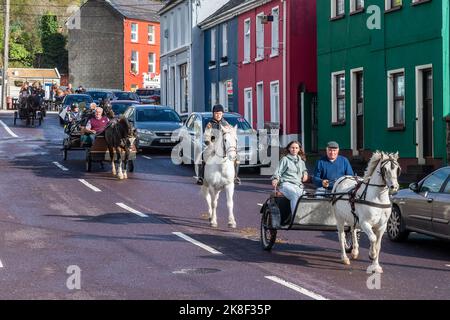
145, 131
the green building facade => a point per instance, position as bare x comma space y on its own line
383, 77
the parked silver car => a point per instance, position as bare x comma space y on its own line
154, 125
192, 139
423, 208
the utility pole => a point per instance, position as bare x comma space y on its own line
5, 55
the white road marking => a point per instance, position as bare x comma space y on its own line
149, 158
260, 204
296, 288
60, 166
90, 186
1, 264
124, 206
197, 243
8, 129
447, 265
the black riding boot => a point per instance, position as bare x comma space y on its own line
237, 180
201, 174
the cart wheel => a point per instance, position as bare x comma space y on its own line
65, 154
268, 235
15, 117
130, 165
40, 121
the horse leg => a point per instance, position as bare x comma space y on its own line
229, 189
119, 158
341, 233
375, 265
367, 228
209, 202
215, 198
125, 162
355, 250
111, 155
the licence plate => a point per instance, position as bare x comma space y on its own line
165, 140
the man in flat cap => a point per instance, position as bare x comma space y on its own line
331, 167
213, 127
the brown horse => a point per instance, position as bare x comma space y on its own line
120, 137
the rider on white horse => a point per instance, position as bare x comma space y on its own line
214, 126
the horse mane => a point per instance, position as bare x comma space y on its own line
375, 159
373, 162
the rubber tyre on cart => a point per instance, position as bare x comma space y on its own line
268, 234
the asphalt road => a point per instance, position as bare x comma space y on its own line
128, 239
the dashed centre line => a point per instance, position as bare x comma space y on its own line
90, 186
124, 206
1, 264
146, 157
8, 129
197, 243
60, 166
297, 288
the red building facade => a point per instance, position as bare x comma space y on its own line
277, 54
141, 54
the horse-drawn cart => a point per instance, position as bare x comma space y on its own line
313, 213
98, 152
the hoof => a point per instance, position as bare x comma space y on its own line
378, 269
125, 176
120, 177
355, 255
232, 225
346, 261
214, 225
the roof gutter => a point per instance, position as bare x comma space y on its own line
231, 13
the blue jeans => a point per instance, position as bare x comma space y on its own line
293, 192
88, 138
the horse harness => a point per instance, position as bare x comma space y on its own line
352, 193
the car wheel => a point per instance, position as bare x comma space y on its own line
396, 228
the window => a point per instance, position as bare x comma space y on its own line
151, 34
396, 98
338, 97
213, 94
134, 61
338, 8
213, 46
434, 182
184, 90
275, 32
393, 4
134, 32
151, 63
356, 5
359, 93
224, 40
247, 40
275, 102
259, 37
248, 105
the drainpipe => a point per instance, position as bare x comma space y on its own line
284, 70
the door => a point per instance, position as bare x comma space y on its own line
418, 210
427, 103
441, 209
260, 105
359, 110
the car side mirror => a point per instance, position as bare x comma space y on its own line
414, 187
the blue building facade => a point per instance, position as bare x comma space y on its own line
221, 64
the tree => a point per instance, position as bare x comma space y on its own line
54, 53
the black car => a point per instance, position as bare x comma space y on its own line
98, 96
119, 106
149, 96
125, 95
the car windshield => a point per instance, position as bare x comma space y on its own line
78, 99
126, 96
153, 115
119, 108
99, 95
147, 92
239, 121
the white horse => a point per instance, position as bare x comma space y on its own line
219, 173
368, 199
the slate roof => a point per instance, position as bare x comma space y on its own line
146, 10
